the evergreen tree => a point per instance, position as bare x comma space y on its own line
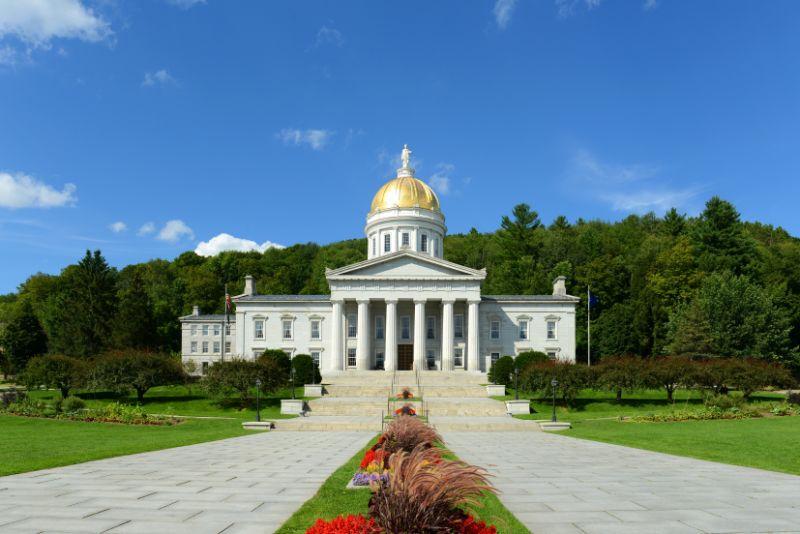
23, 337
134, 325
674, 223
720, 240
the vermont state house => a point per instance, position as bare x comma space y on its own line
403, 308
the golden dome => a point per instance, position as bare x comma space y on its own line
405, 192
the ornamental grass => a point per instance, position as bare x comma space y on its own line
405, 433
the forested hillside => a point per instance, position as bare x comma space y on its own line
665, 285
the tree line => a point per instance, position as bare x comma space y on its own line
709, 285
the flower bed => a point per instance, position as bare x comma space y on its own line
111, 413
711, 413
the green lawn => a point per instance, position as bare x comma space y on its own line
29, 443
333, 499
183, 400
767, 443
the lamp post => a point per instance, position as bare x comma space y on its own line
291, 374
554, 383
516, 382
258, 399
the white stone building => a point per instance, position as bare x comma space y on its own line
405, 307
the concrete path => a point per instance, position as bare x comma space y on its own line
556, 484
247, 484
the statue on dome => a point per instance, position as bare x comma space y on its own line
405, 157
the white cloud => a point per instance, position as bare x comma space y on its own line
316, 139
649, 5
503, 9
328, 35
146, 229
37, 22
588, 167
9, 56
175, 230
566, 8
118, 227
185, 4
659, 200
223, 242
440, 181
159, 77
23, 191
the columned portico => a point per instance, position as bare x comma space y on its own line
390, 350
337, 358
447, 335
473, 356
419, 334
362, 347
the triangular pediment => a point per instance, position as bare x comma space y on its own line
405, 265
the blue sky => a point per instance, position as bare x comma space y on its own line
146, 128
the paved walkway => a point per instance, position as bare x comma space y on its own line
247, 484
556, 484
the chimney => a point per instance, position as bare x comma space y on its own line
560, 286
249, 285
195, 310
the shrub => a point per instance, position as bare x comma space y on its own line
54, 372
749, 375
305, 370
426, 493
724, 402
72, 405
670, 373
621, 373
524, 359
793, 397
282, 361
131, 369
12, 395
713, 374
405, 433
502, 371
571, 378
231, 377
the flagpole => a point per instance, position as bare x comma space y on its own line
588, 326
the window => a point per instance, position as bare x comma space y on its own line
458, 357
351, 357
227, 329
205, 368
315, 357
495, 356
258, 331
205, 329
430, 328
193, 347
378, 327
287, 328
551, 354
494, 330
216, 347
315, 329
193, 329
551, 329
217, 329
352, 325
458, 326
430, 359
205, 347
227, 347
423, 243
374, 246
405, 239
523, 329
387, 243
379, 359
405, 327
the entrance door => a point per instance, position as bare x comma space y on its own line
405, 357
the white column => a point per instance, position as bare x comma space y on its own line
447, 335
362, 346
473, 357
419, 334
337, 358
390, 350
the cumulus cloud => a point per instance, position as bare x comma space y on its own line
503, 9
118, 227
23, 191
329, 35
175, 230
146, 229
316, 139
159, 77
37, 22
223, 242
185, 4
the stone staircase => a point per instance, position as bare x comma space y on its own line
359, 400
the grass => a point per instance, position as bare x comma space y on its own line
767, 443
31, 443
184, 400
333, 499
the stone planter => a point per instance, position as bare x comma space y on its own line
292, 406
517, 407
258, 425
495, 390
551, 426
312, 390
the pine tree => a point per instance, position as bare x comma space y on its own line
720, 239
134, 325
23, 337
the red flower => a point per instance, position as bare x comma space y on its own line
369, 457
352, 524
470, 525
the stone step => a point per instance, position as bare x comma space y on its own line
347, 406
484, 424
453, 391
356, 390
465, 407
329, 422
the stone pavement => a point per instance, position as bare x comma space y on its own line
246, 484
556, 484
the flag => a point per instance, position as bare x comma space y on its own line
593, 300
228, 305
